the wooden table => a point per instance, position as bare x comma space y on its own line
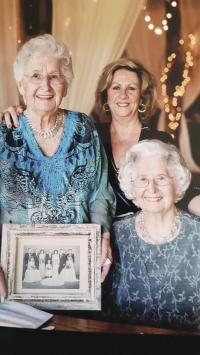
68, 323
73, 335
100, 337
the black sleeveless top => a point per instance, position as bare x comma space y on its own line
125, 205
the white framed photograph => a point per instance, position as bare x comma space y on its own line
53, 266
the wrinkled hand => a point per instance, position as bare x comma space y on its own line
106, 255
11, 116
3, 285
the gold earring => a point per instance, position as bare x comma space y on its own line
106, 107
141, 108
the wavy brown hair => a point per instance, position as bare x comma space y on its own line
147, 81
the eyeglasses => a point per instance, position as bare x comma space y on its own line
53, 79
160, 180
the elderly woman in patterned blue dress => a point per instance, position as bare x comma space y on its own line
155, 279
53, 167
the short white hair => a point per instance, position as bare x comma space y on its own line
176, 166
43, 44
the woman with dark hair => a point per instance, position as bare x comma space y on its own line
126, 93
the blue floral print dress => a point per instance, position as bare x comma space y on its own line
156, 285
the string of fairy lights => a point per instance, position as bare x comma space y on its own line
158, 30
172, 103
164, 23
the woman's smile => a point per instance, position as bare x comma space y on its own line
44, 95
124, 94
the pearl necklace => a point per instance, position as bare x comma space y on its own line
52, 131
163, 239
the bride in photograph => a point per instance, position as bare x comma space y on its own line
68, 273
32, 274
51, 272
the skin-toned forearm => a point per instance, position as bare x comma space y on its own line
194, 206
106, 255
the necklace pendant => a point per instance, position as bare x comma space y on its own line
52, 131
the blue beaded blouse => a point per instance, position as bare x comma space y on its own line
69, 187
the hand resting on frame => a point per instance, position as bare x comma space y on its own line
3, 285
106, 256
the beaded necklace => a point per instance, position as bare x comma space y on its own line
52, 131
161, 240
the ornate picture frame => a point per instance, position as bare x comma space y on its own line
53, 266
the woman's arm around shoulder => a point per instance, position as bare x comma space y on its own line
194, 206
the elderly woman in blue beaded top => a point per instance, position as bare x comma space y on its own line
53, 167
155, 278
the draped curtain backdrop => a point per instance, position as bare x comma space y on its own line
96, 33
9, 36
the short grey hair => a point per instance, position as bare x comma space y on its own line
176, 166
43, 44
